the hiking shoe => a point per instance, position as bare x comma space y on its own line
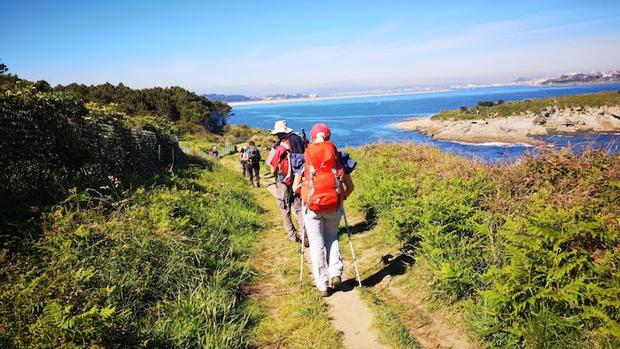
325, 293
336, 282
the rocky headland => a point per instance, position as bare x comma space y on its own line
520, 128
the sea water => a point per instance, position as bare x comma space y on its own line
358, 121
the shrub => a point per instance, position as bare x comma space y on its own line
486, 103
558, 265
533, 246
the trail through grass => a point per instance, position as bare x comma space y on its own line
292, 317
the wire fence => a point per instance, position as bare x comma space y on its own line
196, 152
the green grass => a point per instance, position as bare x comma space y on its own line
533, 246
300, 321
531, 106
392, 330
154, 266
230, 135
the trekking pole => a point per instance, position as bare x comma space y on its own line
301, 263
346, 224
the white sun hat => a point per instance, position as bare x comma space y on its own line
281, 127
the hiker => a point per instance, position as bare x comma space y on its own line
252, 164
214, 152
243, 160
286, 162
324, 185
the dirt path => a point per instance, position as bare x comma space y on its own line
384, 272
349, 314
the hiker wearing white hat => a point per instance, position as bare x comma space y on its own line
281, 127
287, 160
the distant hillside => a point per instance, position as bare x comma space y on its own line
582, 78
243, 98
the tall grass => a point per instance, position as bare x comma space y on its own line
533, 246
156, 266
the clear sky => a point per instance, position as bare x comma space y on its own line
259, 47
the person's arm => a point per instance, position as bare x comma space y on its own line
296, 183
348, 185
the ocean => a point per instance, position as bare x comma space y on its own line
365, 120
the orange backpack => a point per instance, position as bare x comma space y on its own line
321, 189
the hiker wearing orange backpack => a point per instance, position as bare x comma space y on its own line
324, 186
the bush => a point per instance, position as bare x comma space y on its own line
533, 246
486, 103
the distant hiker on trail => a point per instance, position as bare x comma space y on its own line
252, 164
214, 152
287, 161
243, 160
324, 185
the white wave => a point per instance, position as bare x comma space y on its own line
494, 144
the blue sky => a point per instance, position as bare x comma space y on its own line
259, 47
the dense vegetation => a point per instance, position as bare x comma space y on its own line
105, 250
499, 109
158, 266
190, 112
532, 247
54, 141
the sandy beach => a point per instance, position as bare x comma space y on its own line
519, 128
308, 99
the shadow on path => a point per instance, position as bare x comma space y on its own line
392, 266
358, 228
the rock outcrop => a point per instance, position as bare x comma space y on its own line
520, 128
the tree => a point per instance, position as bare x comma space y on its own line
3, 68
42, 86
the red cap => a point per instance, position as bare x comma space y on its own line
320, 128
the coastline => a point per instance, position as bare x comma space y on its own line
514, 129
309, 99
363, 95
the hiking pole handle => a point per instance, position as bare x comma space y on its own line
346, 224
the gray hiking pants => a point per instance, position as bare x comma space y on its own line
253, 171
288, 203
322, 229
